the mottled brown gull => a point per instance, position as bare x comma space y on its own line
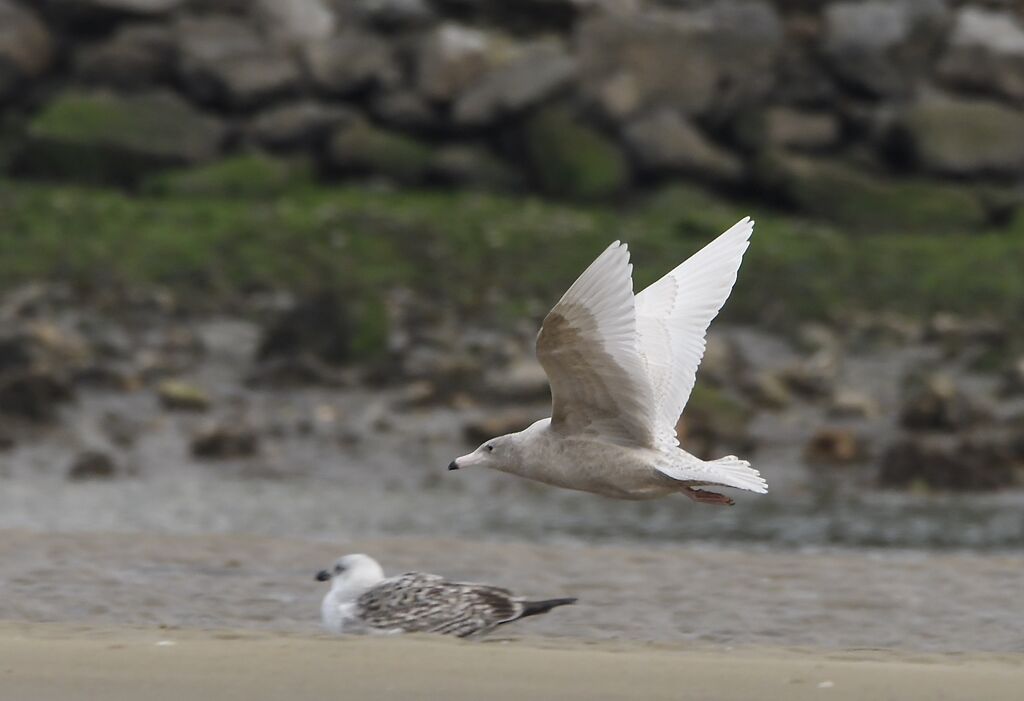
621, 369
363, 600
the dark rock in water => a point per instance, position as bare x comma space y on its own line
93, 464
122, 429
105, 137
223, 441
936, 403
26, 47
950, 462
497, 424
835, 446
34, 394
985, 53
6, 439
572, 159
36, 367
135, 57
320, 327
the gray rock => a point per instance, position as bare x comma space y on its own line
390, 14
93, 464
225, 61
882, 46
784, 127
294, 22
352, 61
298, 124
136, 56
224, 441
711, 59
835, 446
451, 58
665, 142
404, 109
536, 72
937, 403
985, 53
472, 166
90, 8
962, 137
99, 137
26, 47
951, 462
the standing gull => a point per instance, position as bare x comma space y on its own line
363, 600
621, 368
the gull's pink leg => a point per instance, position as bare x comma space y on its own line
705, 497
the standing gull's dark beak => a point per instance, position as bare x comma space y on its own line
453, 466
323, 576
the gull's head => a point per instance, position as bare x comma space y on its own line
356, 571
497, 454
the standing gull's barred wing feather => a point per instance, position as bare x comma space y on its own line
426, 603
588, 348
673, 315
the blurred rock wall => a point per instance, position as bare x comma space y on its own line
837, 108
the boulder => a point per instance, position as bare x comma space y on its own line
451, 58
225, 440
536, 71
572, 159
404, 109
294, 125
867, 201
848, 403
882, 47
135, 57
961, 137
711, 59
663, 141
363, 149
294, 22
985, 53
835, 446
352, 61
934, 402
320, 326
951, 463
93, 464
26, 47
390, 14
224, 61
97, 136
786, 128
177, 395
464, 165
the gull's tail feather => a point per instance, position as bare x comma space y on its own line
533, 608
733, 472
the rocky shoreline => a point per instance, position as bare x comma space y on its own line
902, 114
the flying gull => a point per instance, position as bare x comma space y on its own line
363, 600
621, 368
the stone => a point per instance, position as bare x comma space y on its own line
97, 136
224, 61
225, 441
451, 58
91, 465
298, 125
934, 402
869, 201
848, 403
711, 59
177, 395
392, 14
463, 165
951, 463
835, 446
33, 394
295, 22
135, 57
404, 109
362, 149
664, 142
961, 137
799, 130
26, 47
537, 71
985, 53
352, 61
572, 159
882, 47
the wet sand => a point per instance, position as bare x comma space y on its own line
48, 663
706, 596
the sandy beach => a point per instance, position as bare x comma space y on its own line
46, 663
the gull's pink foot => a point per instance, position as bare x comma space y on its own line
705, 497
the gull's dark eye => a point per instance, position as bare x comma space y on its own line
490, 449
338, 569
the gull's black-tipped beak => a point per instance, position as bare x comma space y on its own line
323, 576
453, 466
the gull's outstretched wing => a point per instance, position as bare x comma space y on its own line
588, 348
426, 603
672, 318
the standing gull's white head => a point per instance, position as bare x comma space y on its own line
621, 369
362, 600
